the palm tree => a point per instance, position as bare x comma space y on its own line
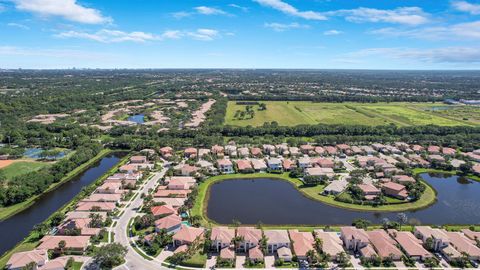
237, 240
319, 245
402, 219
311, 256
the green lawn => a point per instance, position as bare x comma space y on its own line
22, 167
197, 260
291, 113
314, 193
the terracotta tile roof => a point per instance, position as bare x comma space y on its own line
250, 234
255, 253
350, 232
332, 244
244, 164
463, 244
49, 242
21, 259
277, 236
368, 251
188, 234
411, 245
302, 242
87, 206
162, 210
168, 222
224, 162
222, 234
227, 253
384, 245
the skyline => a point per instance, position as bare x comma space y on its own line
258, 34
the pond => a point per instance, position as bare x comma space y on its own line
17, 227
278, 202
36, 153
137, 118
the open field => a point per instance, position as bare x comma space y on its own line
291, 113
20, 167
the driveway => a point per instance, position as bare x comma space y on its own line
211, 262
355, 262
164, 255
269, 261
239, 261
400, 264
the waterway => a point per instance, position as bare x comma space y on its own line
277, 202
17, 227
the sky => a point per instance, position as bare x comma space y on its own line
303, 34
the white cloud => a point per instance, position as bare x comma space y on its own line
332, 32
18, 25
401, 15
204, 34
242, 8
172, 34
181, 14
110, 36
434, 55
67, 9
465, 6
280, 27
291, 10
470, 30
209, 10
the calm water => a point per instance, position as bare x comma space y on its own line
278, 202
138, 118
16, 228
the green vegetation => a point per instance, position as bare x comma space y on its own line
312, 192
425, 170
22, 167
198, 259
291, 113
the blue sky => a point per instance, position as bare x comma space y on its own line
337, 34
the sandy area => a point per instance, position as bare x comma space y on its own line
198, 116
47, 118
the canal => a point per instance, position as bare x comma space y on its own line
16, 228
277, 202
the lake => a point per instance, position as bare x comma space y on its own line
17, 227
278, 202
137, 118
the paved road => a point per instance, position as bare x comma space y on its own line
133, 259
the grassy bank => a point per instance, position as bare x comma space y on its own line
314, 193
32, 240
6, 212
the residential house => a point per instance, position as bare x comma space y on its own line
227, 253
318, 171
187, 235
225, 166
284, 253
244, 166
109, 188
163, 191
447, 151
307, 148
336, 187
324, 162
256, 152
80, 224
369, 190
170, 223
138, 159
274, 164
433, 149
411, 245
19, 260
464, 245
354, 239
302, 243
384, 245
288, 164
251, 237
72, 243
180, 182
331, 150
221, 237
436, 158
166, 152
255, 254
398, 191
319, 150
96, 206
304, 162
217, 150
294, 151
190, 152
162, 210
188, 170
471, 234
403, 179
332, 244
276, 239
97, 197
243, 152
438, 236
259, 165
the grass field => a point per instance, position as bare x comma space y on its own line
291, 113
22, 167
